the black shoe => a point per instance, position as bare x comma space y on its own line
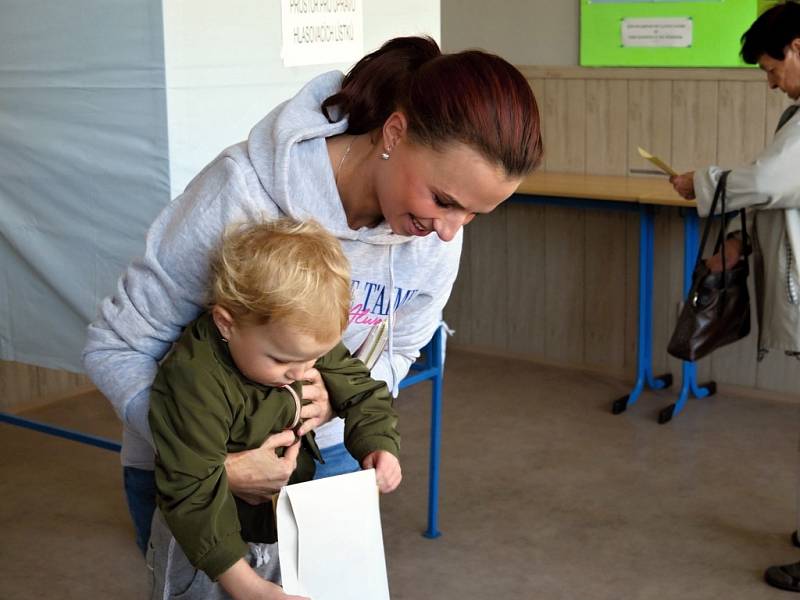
785, 577
795, 539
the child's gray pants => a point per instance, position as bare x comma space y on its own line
174, 578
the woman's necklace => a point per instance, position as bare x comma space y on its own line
341, 162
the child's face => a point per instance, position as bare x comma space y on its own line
273, 354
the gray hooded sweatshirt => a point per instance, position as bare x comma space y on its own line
283, 169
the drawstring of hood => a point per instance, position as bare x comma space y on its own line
297, 406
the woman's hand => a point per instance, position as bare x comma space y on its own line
319, 410
684, 184
255, 475
387, 469
733, 253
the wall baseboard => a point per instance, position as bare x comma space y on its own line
739, 391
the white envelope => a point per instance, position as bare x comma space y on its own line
330, 541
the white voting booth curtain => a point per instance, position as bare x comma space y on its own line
107, 109
83, 163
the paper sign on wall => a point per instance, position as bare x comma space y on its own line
318, 32
657, 33
329, 539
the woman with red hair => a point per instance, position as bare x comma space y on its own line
411, 142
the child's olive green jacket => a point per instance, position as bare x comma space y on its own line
202, 408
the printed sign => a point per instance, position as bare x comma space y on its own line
317, 32
657, 33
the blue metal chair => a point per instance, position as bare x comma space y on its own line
431, 366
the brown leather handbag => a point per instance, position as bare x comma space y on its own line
717, 309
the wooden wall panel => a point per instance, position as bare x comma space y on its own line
694, 124
564, 125
526, 253
604, 308
649, 113
605, 275
606, 120
489, 321
23, 385
564, 284
741, 134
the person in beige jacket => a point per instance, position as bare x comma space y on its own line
769, 188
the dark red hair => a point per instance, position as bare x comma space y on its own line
472, 97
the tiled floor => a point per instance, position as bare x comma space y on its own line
545, 495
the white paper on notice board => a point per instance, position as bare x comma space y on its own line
329, 538
318, 32
657, 33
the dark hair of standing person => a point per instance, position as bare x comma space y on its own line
771, 32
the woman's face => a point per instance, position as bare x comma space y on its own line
784, 74
421, 191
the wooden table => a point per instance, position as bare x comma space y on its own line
640, 194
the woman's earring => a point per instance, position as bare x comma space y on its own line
385, 154
225, 340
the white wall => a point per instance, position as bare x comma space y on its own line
224, 71
524, 32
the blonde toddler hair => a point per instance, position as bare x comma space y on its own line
286, 270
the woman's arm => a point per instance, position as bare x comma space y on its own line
255, 475
159, 293
771, 182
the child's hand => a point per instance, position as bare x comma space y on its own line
387, 469
270, 591
266, 590
243, 583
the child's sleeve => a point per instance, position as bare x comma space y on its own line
191, 418
365, 404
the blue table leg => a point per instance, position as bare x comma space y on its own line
644, 343
437, 351
691, 242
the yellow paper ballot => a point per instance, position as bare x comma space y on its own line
657, 162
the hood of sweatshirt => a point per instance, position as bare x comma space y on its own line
289, 155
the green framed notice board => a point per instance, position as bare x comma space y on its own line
665, 33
